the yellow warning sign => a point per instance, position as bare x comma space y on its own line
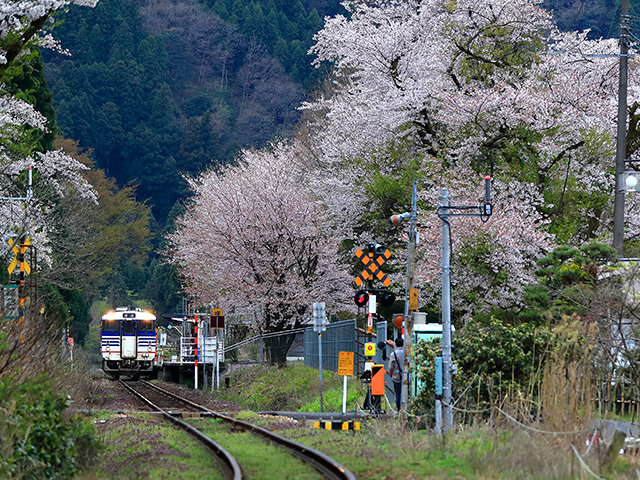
370, 349
345, 363
413, 299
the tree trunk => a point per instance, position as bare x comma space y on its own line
277, 348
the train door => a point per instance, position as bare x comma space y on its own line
129, 336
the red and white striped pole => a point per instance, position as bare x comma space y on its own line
196, 350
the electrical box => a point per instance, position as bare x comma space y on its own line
377, 379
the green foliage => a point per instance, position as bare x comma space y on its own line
152, 106
118, 267
387, 181
92, 344
293, 388
283, 28
78, 309
567, 276
494, 50
492, 356
29, 84
601, 17
39, 440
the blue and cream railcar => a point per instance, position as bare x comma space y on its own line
128, 342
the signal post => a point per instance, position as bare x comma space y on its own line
377, 255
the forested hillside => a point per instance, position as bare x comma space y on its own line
284, 28
602, 17
154, 89
161, 88
158, 88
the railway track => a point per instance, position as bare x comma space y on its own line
173, 406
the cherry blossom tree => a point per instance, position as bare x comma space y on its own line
55, 173
22, 26
476, 88
256, 240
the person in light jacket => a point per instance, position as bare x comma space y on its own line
396, 363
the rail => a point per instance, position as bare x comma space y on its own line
229, 465
326, 465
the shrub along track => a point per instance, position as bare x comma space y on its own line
171, 406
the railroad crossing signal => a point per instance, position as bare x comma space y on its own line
372, 267
16, 250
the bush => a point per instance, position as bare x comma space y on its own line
493, 356
39, 441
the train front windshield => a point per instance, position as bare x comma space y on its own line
146, 326
110, 326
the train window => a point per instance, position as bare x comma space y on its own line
110, 326
128, 327
146, 326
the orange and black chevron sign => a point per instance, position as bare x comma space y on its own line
372, 267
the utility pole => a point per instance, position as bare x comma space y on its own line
408, 318
411, 264
447, 383
621, 143
445, 212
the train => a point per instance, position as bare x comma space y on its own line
129, 343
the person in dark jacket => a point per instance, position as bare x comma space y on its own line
396, 363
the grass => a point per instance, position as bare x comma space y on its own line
389, 448
259, 460
393, 449
295, 388
147, 447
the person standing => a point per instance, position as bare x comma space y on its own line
396, 362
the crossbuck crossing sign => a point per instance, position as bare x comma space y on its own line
16, 250
372, 268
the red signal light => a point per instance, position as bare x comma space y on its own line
361, 298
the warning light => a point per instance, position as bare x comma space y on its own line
398, 320
387, 299
361, 298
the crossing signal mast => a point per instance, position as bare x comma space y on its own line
368, 295
445, 212
19, 245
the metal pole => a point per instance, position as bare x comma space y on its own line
408, 319
205, 379
320, 364
344, 394
214, 369
621, 144
446, 315
217, 353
